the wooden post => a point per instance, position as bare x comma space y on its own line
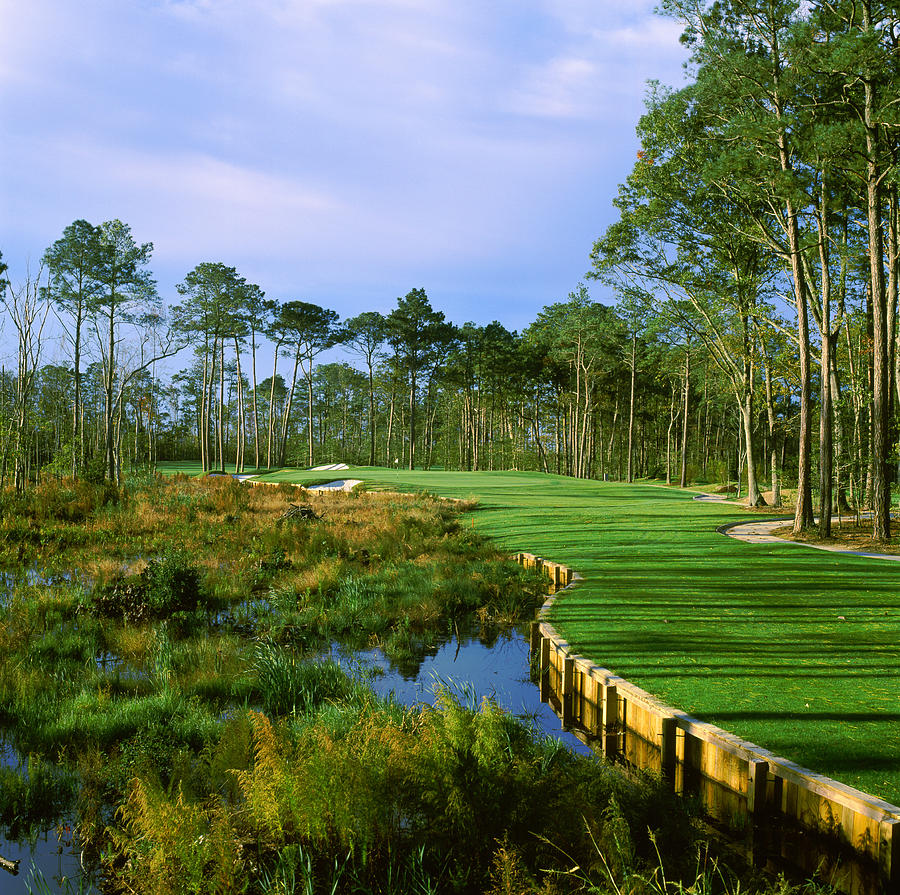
535, 641
667, 747
610, 720
889, 851
568, 681
545, 669
757, 784
777, 800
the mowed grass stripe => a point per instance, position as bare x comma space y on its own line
792, 648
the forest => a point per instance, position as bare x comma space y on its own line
755, 265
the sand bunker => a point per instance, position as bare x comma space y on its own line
331, 467
339, 485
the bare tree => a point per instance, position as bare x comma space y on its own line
27, 308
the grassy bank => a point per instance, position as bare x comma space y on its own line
791, 648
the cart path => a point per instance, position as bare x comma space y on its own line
760, 532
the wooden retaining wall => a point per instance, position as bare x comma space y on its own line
738, 782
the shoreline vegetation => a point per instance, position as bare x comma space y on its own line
779, 645
164, 702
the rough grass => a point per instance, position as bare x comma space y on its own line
196, 599
362, 796
794, 649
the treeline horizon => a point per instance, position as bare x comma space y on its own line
764, 194
565, 396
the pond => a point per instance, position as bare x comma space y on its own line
472, 661
52, 853
492, 664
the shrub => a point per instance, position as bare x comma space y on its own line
171, 584
124, 598
169, 587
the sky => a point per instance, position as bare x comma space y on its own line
341, 152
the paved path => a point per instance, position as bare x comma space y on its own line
761, 533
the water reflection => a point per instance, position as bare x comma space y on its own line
488, 662
50, 853
35, 576
478, 661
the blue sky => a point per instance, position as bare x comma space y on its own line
341, 152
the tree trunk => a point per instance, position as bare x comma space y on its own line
271, 426
754, 497
672, 417
629, 476
371, 416
255, 405
412, 420
684, 431
110, 380
309, 415
241, 436
881, 495
773, 440
285, 422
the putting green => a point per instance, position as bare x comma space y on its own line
792, 648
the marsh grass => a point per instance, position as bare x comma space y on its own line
210, 754
365, 796
195, 601
286, 685
38, 884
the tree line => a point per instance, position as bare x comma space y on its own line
761, 221
576, 393
764, 194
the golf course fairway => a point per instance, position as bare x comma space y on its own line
792, 648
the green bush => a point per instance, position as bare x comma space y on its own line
168, 588
171, 584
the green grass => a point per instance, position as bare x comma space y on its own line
794, 649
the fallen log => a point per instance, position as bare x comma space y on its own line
9, 866
297, 512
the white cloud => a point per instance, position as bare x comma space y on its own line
655, 34
558, 89
326, 139
610, 51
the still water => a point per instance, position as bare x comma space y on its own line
51, 853
474, 663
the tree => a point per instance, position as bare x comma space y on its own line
365, 336
27, 308
852, 47
746, 91
310, 329
683, 241
258, 313
72, 265
124, 287
215, 312
419, 337
581, 335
